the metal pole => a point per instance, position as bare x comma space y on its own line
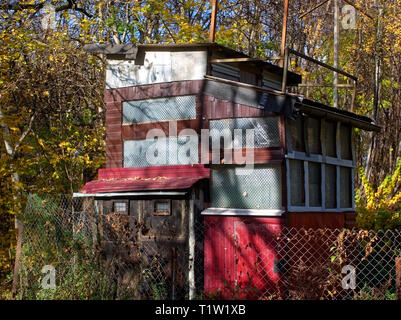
213, 21
284, 33
191, 244
377, 67
285, 71
336, 45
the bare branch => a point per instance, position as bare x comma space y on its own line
25, 6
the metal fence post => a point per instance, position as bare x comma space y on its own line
398, 277
17, 258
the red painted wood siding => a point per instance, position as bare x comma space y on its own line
315, 220
240, 251
207, 107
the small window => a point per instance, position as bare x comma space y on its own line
297, 134
313, 132
315, 183
345, 187
330, 186
162, 208
297, 183
120, 207
345, 138
330, 139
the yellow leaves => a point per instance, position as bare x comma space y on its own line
381, 204
40, 141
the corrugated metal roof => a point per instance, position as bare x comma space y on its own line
149, 178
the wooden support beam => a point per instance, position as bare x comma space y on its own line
284, 33
312, 9
213, 21
233, 60
341, 85
325, 65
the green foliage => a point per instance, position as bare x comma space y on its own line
75, 257
379, 209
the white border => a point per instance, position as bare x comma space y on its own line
242, 212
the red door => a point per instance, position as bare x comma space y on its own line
256, 255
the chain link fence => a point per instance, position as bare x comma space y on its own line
113, 256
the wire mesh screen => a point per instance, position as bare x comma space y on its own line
266, 130
345, 138
297, 184
345, 187
160, 152
151, 110
330, 138
113, 256
315, 181
261, 188
296, 131
313, 132
330, 186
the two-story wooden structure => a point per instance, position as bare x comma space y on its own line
302, 153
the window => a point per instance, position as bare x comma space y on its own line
330, 139
297, 134
120, 207
297, 184
160, 152
321, 179
266, 130
313, 131
161, 109
345, 138
258, 188
315, 189
330, 186
162, 208
345, 187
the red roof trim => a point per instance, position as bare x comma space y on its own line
149, 178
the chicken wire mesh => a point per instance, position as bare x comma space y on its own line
164, 151
261, 188
151, 110
111, 256
266, 130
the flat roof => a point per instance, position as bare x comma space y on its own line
129, 52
